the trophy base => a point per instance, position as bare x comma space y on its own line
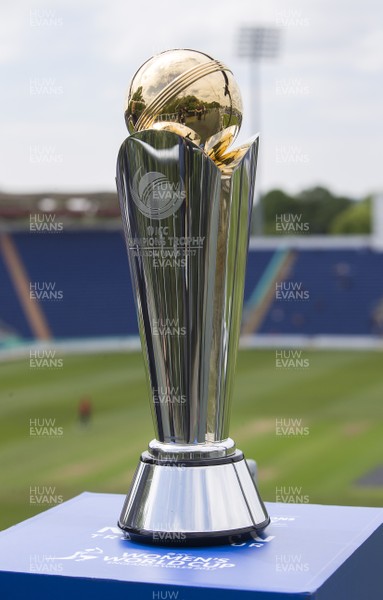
193, 503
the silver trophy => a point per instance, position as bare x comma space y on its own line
186, 202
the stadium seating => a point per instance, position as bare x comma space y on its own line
92, 271
343, 287
13, 322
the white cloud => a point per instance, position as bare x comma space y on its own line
91, 49
12, 29
370, 52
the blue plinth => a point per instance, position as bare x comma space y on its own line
76, 551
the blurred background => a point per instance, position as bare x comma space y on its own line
74, 409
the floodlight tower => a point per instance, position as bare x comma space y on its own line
257, 43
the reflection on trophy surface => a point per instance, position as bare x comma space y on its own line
186, 202
188, 93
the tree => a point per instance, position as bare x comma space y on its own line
319, 207
314, 209
355, 219
274, 204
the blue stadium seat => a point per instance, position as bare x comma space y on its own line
91, 269
12, 319
344, 287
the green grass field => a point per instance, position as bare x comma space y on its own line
338, 397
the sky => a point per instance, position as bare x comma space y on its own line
65, 67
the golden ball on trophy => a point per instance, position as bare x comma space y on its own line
189, 93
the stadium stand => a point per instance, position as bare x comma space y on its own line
90, 268
290, 290
343, 289
13, 322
